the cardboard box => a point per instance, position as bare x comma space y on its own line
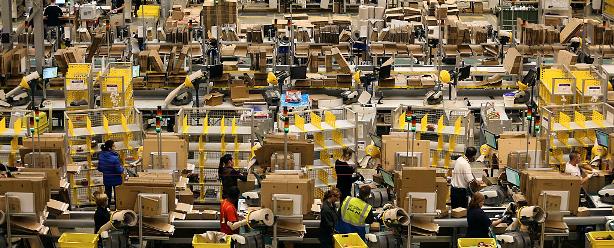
391, 144
594, 184
443, 190
185, 196
567, 58
418, 179
38, 186
56, 207
214, 99
561, 182
418, 205
238, 91
512, 61
459, 213
284, 207
170, 143
287, 184
248, 185
14, 204
52, 175
553, 203
127, 194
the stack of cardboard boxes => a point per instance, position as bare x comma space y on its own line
421, 179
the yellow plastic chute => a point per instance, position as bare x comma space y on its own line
521, 86
271, 78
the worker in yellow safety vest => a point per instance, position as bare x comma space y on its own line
355, 213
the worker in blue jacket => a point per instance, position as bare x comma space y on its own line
111, 168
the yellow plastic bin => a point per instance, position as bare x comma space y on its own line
148, 11
350, 240
595, 239
470, 242
199, 242
78, 240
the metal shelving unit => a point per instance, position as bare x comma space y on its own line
83, 127
211, 133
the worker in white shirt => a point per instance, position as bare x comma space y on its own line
573, 167
461, 179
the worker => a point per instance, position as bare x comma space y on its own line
328, 217
461, 179
478, 223
102, 215
229, 219
51, 17
345, 173
355, 213
111, 168
117, 6
573, 167
227, 173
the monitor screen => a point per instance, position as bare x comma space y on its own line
602, 138
50, 72
60, 2
491, 139
298, 72
136, 71
388, 178
464, 72
216, 71
512, 176
384, 71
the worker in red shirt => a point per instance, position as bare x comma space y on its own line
229, 218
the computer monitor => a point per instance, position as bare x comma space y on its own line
298, 72
602, 138
491, 139
136, 71
464, 72
216, 71
384, 72
50, 72
388, 178
530, 78
60, 2
512, 176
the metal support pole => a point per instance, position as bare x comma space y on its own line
140, 204
7, 22
39, 45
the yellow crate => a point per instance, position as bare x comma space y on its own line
199, 242
595, 243
350, 240
78, 240
149, 11
470, 242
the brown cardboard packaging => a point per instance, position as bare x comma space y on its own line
238, 92
248, 185
52, 175
418, 179
512, 61
185, 196
594, 184
290, 184
170, 143
391, 144
566, 58
14, 204
56, 207
553, 203
284, 206
443, 191
127, 194
561, 182
214, 99
418, 205
38, 186
459, 213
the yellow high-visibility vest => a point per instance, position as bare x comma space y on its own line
354, 211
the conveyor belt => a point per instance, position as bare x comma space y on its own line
84, 219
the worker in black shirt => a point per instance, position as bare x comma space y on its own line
328, 218
227, 173
117, 6
52, 14
478, 223
345, 173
